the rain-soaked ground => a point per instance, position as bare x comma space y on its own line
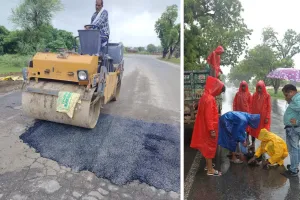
239, 181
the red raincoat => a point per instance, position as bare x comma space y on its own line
261, 104
207, 119
214, 59
242, 100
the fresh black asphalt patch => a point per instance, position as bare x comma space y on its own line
119, 149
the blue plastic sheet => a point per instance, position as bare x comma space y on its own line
232, 127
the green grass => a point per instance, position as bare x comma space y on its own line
13, 63
279, 94
172, 60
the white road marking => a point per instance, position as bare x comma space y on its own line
188, 183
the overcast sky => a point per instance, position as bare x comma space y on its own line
281, 15
131, 21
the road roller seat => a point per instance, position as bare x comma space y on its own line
90, 42
115, 51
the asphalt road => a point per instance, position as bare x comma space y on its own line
136, 154
238, 181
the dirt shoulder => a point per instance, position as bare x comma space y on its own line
10, 85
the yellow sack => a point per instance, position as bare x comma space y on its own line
66, 102
11, 78
16, 78
7, 78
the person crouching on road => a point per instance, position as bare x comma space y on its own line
205, 133
273, 145
232, 128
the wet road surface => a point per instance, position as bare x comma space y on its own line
131, 155
238, 181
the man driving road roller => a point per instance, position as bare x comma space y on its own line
99, 21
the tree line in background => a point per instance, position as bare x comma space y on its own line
168, 32
272, 53
209, 23
35, 32
150, 48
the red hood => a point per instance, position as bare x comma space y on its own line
213, 86
262, 85
219, 50
244, 83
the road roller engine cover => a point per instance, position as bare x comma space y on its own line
70, 87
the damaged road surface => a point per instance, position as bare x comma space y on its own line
133, 153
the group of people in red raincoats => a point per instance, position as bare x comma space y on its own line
205, 133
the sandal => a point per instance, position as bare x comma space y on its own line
205, 168
216, 173
237, 161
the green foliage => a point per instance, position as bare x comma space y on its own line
167, 31
34, 18
13, 63
151, 48
272, 54
172, 60
257, 64
3, 34
284, 49
259, 61
159, 49
209, 23
141, 49
288, 47
223, 78
21, 42
239, 73
34, 14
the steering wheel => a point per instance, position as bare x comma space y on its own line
89, 26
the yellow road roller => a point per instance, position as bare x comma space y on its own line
70, 87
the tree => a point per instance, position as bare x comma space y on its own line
12, 42
209, 23
284, 50
141, 49
174, 39
60, 39
159, 49
259, 61
34, 14
223, 78
239, 73
151, 48
9, 40
167, 31
3, 34
34, 17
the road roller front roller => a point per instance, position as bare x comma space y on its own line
70, 87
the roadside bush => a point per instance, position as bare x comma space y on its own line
13, 62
